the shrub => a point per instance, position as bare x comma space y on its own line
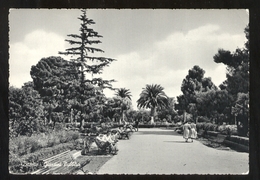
213, 127
199, 126
50, 143
29, 162
58, 126
87, 125
203, 119
23, 145
231, 129
228, 129
63, 136
74, 135
34, 145
207, 126
221, 128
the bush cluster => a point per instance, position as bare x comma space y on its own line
206, 126
22, 145
223, 129
25, 152
228, 129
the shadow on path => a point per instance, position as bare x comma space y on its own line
158, 133
177, 142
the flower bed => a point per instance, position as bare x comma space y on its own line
25, 152
30, 162
223, 129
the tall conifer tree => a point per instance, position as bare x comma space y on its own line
82, 52
89, 91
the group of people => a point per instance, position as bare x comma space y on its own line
189, 131
132, 126
109, 140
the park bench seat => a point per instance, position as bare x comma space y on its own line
63, 163
102, 147
122, 135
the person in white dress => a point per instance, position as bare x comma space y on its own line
186, 131
193, 131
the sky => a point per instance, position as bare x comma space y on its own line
150, 46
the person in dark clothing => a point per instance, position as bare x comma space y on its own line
136, 124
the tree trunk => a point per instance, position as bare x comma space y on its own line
123, 116
152, 114
82, 121
71, 115
184, 116
122, 119
50, 116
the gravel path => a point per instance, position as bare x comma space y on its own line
161, 151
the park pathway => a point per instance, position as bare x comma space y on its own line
161, 151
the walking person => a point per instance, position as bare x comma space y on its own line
193, 131
136, 124
186, 131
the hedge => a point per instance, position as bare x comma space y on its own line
23, 145
223, 129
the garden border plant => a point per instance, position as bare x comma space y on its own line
25, 152
232, 139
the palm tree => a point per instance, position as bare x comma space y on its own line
123, 93
125, 100
152, 97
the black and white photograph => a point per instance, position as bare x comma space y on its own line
129, 91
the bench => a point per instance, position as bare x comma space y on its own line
122, 135
63, 163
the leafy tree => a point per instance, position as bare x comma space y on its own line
241, 106
213, 104
132, 114
53, 78
25, 110
124, 97
237, 74
153, 97
82, 51
237, 68
143, 115
15, 110
168, 112
237, 71
193, 84
110, 108
241, 111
